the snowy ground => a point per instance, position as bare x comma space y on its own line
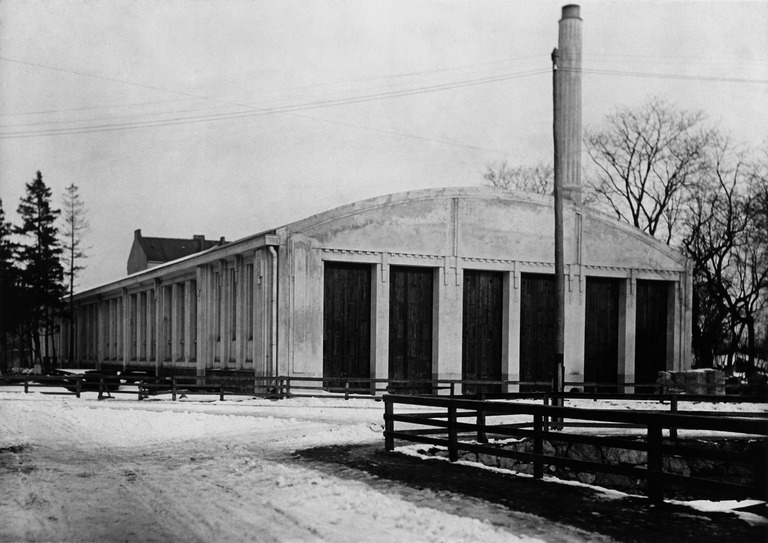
122, 470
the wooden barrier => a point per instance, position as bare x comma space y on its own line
443, 427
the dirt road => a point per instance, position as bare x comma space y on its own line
73, 470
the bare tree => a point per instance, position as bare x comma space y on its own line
75, 227
537, 179
726, 241
645, 160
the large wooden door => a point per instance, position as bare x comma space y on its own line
650, 330
410, 327
482, 329
537, 329
601, 332
346, 323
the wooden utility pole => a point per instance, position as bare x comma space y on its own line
566, 90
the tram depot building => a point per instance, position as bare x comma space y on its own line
454, 283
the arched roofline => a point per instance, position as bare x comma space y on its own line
271, 237
401, 198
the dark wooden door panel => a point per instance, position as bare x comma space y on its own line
346, 323
537, 329
651, 330
601, 332
482, 329
410, 327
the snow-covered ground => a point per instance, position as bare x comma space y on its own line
122, 470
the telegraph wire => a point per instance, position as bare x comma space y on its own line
279, 109
683, 77
314, 104
283, 89
402, 134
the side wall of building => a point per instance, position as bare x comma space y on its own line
257, 307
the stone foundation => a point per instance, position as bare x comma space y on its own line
748, 471
706, 381
236, 380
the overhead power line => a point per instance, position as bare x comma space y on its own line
222, 101
278, 109
682, 77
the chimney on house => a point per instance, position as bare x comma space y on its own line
199, 241
567, 109
137, 234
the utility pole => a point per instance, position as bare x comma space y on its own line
558, 370
566, 91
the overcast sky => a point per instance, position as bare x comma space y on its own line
228, 118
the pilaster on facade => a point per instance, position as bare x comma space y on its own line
103, 343
673, 324
380, 320
240, 339
627, 327
201, 308
160, 329
575, 323
510, 346
126, 318
446, 323
186, 333
141, 325
176, 341
212, 333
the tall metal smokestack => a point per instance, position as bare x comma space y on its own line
566, 83
568, 105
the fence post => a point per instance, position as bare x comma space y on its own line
101, 388
453, 389
346, 390
538, 446
26, 383
481, 435
373, 387
287, 387
673, 409
655, 464
221, 393
173, 389
389, 424
141, 387
453, 435
78, 387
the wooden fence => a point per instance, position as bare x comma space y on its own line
109, 384
286, 386
293, 386
474, 419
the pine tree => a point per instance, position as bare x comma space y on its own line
42, 273
75, 227
10, 316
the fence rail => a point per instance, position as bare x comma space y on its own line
474, 418
109, 384
295, 386
287, 386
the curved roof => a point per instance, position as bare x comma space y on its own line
601, 222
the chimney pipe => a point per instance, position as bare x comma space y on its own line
567, 107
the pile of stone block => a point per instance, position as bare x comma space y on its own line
706, 381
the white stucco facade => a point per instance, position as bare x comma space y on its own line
256, 305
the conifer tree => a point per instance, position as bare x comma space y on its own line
75, 227
41, 270
10, 316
